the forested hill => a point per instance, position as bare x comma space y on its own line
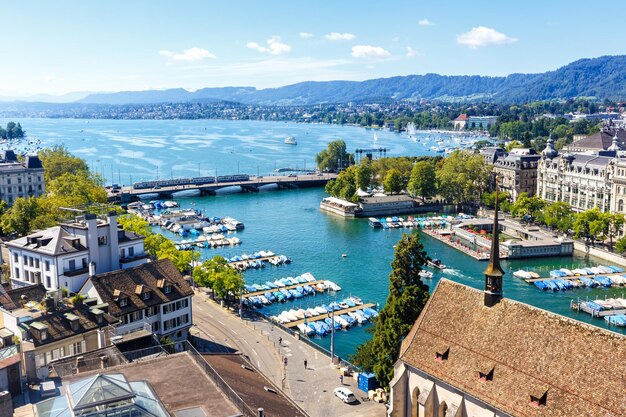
598, 78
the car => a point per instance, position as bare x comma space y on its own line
345, 395
292, 175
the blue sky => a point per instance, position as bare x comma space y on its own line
70, 45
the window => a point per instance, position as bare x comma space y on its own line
99, 318
102, 240
17, 273
131, 252
539, 401
167, 289
37, 263
122, 253
156, 326
16, 258
84, 262
484, 377
77, 348
123, 302
46, 265
25, 259
146, 295
74, 325
442, 356
137, 315
72, 264
31, 261
43, 335
48, 281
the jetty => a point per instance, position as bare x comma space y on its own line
445, 236
292, 324
127, 194
288, 287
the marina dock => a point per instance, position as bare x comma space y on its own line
288, 287
443, 237
323, 316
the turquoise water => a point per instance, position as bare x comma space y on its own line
290, 222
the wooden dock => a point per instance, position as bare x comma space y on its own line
263, 259
323, 316
572, 278
288, 287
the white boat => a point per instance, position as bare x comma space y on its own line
291, 140
375, 137
425, 274
521, 274
411, 130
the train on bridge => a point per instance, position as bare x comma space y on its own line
145, 185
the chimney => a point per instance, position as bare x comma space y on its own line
92, 269
113, 241
101, 338
92, 237
261, 412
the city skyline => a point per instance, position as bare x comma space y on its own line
143, 45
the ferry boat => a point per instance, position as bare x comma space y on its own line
291, 140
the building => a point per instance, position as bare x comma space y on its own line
63, 333
20, 179
460, 122
491, 154
475, 353
480, 122
618, 187
583, 181
517, 172
154, 294
600, 141
60, 257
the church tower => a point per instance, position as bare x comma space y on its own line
494, 273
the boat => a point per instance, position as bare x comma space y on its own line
425, 274
436, 263
291, 140
305, 329
375, 137
375, 223
521, 274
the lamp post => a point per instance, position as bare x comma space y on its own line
332, 328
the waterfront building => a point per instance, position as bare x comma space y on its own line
582, 180
480, 122
618, 201
475, 353
460, 122
376, 205
60, 257
599, 141
491, 154
153, 295
20, 179
517, 172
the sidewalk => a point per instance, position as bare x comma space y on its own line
311, 388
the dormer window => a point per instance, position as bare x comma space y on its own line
43, 334
167, 289
146, 295
442, 356
539, 401
99, 318
123, 301
484, 377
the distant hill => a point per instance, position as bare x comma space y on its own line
599, 78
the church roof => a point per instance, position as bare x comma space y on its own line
532, 351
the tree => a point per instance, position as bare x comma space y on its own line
73, 189
215, 274
423, 181
615, 224
489, 199
19, 218
529, 206
393, 182
620, 245
58, 160
590, 225
407, 297
462, 177
364, 175
559, 216
334, 157
514, 144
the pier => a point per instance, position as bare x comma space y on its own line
479, 256
130, 193
292, 324
288, 287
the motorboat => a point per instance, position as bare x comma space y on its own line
291, 140
436, 263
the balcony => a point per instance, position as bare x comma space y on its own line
76, 272
128, 259
129, 331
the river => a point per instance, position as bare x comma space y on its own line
288, 222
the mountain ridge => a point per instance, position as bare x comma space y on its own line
601, 78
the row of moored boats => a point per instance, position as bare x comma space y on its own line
564, 279
286, 289
257, 260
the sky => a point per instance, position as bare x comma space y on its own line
57, 47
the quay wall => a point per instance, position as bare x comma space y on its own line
600, 253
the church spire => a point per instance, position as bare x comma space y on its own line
494, 272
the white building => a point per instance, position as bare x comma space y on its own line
60, 257
20, 179
154, 294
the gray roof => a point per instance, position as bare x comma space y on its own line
53, 241
600, 141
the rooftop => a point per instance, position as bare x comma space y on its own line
531, 352
599, 141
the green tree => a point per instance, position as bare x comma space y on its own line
406, 299
559, 216
530, 206
58, 160
615, 225
364, 175
514, 144
19, 218
462, 177
620, 245
590, 225
393, 182
135, 224
489, 199
423, 181
215, 274
334, 157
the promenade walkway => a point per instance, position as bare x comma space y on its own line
311, 388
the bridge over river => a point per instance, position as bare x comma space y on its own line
128, 194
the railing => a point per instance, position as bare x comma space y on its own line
130, 328
9, 351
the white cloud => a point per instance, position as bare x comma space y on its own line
305, 35
410, 52
369, 51
191, 54
48, 78
425, 22
336, 36
274, 46
483, 36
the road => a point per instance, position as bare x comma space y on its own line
311, 388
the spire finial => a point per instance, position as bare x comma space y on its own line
494, 272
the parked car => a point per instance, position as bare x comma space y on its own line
345, 395
292, 175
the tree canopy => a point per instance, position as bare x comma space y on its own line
334, 157
462, 177
215, 274
423, 180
